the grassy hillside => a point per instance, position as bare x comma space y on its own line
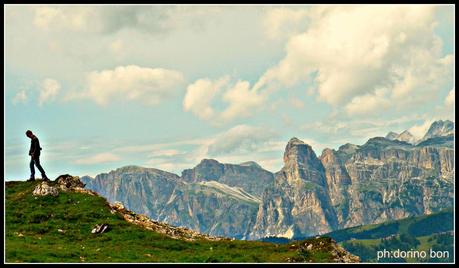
58, 229
424, 233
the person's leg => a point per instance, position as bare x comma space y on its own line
32, 170
37, 163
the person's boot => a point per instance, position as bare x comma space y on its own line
31, 179
45, 178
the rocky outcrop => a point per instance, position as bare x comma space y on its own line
298, 203
63, 183
44, 188
322, 244
67, 182
439, 128
160, 227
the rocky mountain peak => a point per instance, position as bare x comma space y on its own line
406, 136
392, 135
250, 164
208, 162
439, 128
298, 151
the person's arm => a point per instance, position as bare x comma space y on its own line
35, 147
31, 148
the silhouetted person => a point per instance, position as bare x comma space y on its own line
34, 152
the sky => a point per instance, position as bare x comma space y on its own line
165, 86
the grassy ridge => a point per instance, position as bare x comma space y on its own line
58, 229
415, 226
421, 233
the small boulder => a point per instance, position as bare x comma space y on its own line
67, 182
98, 229
118, 205
43, 189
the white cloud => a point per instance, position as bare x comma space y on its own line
242, 101
48, 91
419, 131
283, 22
200, 94
449, 101
97, 159
111, 19
20, 97
165, 153
353, 51
365, 104
241, 138
147, 85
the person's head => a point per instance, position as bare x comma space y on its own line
29, 133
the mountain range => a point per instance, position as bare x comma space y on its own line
384, 179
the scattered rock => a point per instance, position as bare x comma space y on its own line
118, 206
67, 182
60, 231
338, 253
163, 228
43, 189
98, 229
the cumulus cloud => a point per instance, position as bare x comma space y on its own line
20, 97
48, 91
97, 159
199, 95
365, 104
111, 19
131, 82
282, 22
241, 138
449, 101
353, 52
242, 100
106, 19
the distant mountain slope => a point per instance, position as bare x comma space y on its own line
57, 229
378, 181
416, 226
199, 200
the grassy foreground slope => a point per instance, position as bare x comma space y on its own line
58, 229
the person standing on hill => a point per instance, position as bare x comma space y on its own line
34, 153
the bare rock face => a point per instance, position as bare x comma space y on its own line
249, 175
44, 188
298, 203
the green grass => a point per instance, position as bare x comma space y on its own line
32, 235
365, 241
